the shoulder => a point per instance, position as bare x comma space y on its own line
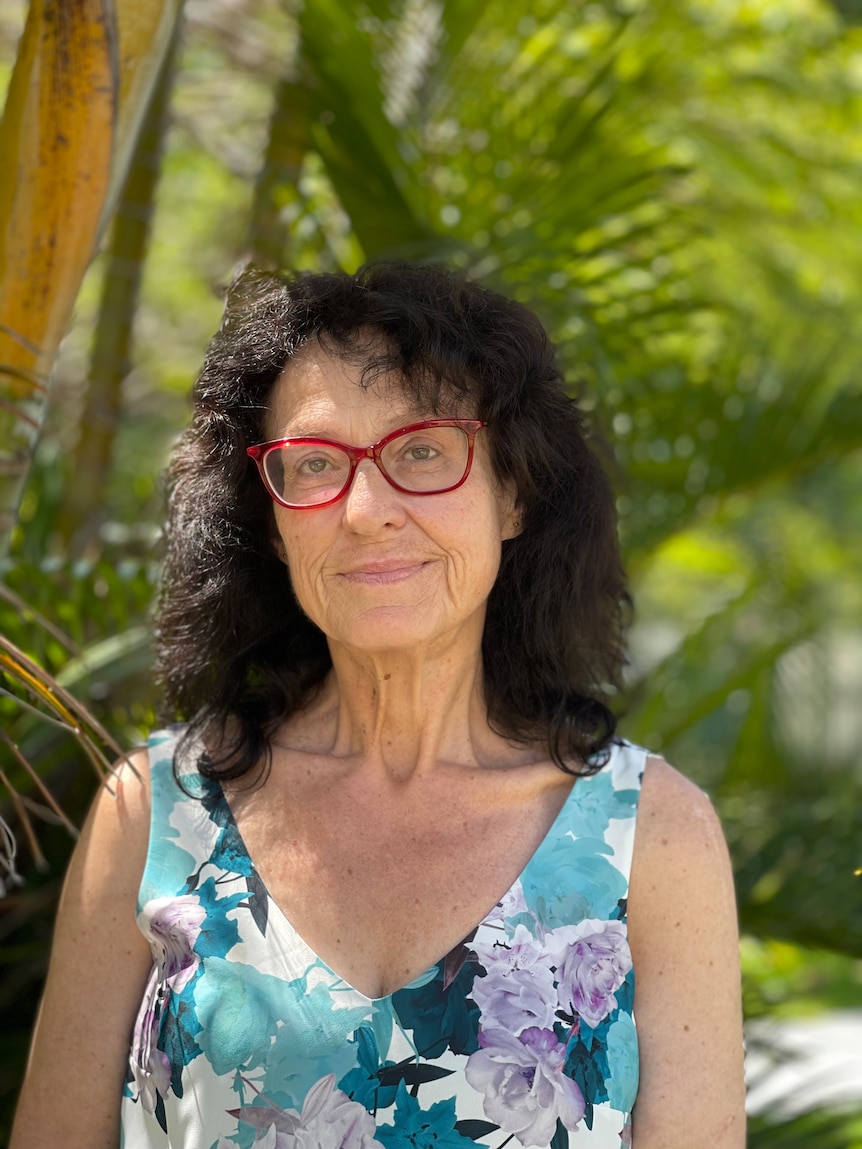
677, 822
125, 793
99, 897
679, 849
664, 783
142, 787
130, 778
112, 848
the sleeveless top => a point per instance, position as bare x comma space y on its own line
522, 1035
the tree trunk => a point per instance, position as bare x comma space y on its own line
82, 77
56, 139
276, 182
82, 508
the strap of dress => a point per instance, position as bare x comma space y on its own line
180, 832
626, 768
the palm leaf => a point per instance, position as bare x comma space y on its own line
36, 692
819, 1129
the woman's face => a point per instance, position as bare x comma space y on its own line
379, 569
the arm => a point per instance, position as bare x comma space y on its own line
685, 945
99, 965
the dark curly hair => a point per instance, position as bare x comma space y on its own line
235, 653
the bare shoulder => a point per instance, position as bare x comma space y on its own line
685, 947
129, 785
675, 817
126, 789
681, 865
680, 856
113, 844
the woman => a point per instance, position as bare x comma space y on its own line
391, 601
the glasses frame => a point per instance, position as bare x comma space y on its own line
259, 452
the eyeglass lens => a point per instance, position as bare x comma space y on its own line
427, 460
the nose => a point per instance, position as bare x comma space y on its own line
371, 501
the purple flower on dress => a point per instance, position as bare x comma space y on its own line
152, 1080
151, 1069
523, 951
172, 926
592, 960
510, 905
518, 991
329, 1120
516, 1000
526, 1091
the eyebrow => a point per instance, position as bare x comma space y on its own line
308, 431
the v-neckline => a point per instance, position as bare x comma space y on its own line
276, 910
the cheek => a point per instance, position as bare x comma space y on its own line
307, 584
474, 556
298, 549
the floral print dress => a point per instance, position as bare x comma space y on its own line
523, 1035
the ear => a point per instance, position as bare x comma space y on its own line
279, 548
513, 515
513, 526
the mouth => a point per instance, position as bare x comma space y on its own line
383, 573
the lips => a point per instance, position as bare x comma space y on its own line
384, 571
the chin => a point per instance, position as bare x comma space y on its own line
390, 628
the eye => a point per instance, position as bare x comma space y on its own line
315, 466
305, 461
419, 453
308, 465
424, 449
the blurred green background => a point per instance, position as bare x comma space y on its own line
674, 187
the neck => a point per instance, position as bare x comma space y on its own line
403, 712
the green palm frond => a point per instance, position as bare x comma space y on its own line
819, 1129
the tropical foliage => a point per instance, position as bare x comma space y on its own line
673, 187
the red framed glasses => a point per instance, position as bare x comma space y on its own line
427, 458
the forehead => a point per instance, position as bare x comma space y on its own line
322, 393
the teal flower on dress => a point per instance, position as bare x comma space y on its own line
238, 1010
441, 1018
572, 879
363, 1084
593, 803
229, 853
417, 1128
622, 1083
314, 1038
218, 933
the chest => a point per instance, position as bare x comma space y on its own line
381, 886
